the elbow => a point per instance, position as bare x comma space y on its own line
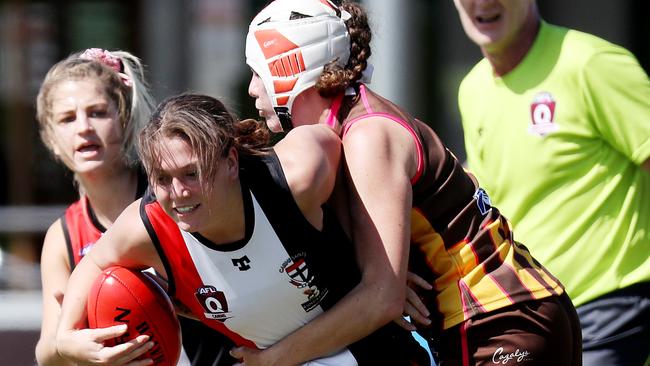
40, 353
45, 352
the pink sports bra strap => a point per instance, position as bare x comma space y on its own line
336, 106
334, 110
364, 98
410, 129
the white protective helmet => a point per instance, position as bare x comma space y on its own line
289, 42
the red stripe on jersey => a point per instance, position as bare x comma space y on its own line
81, 231
471, 304
186, 275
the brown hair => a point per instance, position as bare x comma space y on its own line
207, 126
134, 103
335, 79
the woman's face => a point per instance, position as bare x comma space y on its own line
494, 24
180, 192
85, 129
263, 104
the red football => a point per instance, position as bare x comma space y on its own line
123, 296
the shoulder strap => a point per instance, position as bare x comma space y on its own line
68, 242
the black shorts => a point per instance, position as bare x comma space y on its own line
540, 332
205, 346
616, 327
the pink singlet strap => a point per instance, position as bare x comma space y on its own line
334, 110
364, 98
418, 144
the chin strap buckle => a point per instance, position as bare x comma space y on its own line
285, 118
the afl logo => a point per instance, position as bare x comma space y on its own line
213, 302
542, 114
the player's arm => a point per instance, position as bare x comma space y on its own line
310, 157
125, 243
379, 158
55, 270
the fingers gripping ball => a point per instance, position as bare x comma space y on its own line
123, 296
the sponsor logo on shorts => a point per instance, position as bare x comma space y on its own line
300, 276
500, 357
542, 114
213, 302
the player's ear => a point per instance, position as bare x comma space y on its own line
232, 161
55, 150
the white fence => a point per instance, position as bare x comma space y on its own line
20, 309
28, 219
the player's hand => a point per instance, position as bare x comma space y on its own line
85, 347
413, 305
252, 357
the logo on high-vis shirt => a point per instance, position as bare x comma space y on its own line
542, 114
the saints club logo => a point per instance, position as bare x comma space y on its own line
542, 114
300, 276
213, 302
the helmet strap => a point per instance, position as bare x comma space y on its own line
285, 118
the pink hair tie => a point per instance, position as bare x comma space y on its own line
104, 57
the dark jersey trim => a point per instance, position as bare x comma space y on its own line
68, 243
93, 218
148, 198
143, 183
249, 224
327, 252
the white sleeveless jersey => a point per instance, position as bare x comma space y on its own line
282, 275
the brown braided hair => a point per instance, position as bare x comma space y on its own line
334, 79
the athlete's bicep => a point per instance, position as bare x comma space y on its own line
127, 243
380, 160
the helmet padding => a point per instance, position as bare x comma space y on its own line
288, 44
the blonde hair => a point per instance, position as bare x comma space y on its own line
134, 102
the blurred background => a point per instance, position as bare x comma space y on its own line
420, 54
